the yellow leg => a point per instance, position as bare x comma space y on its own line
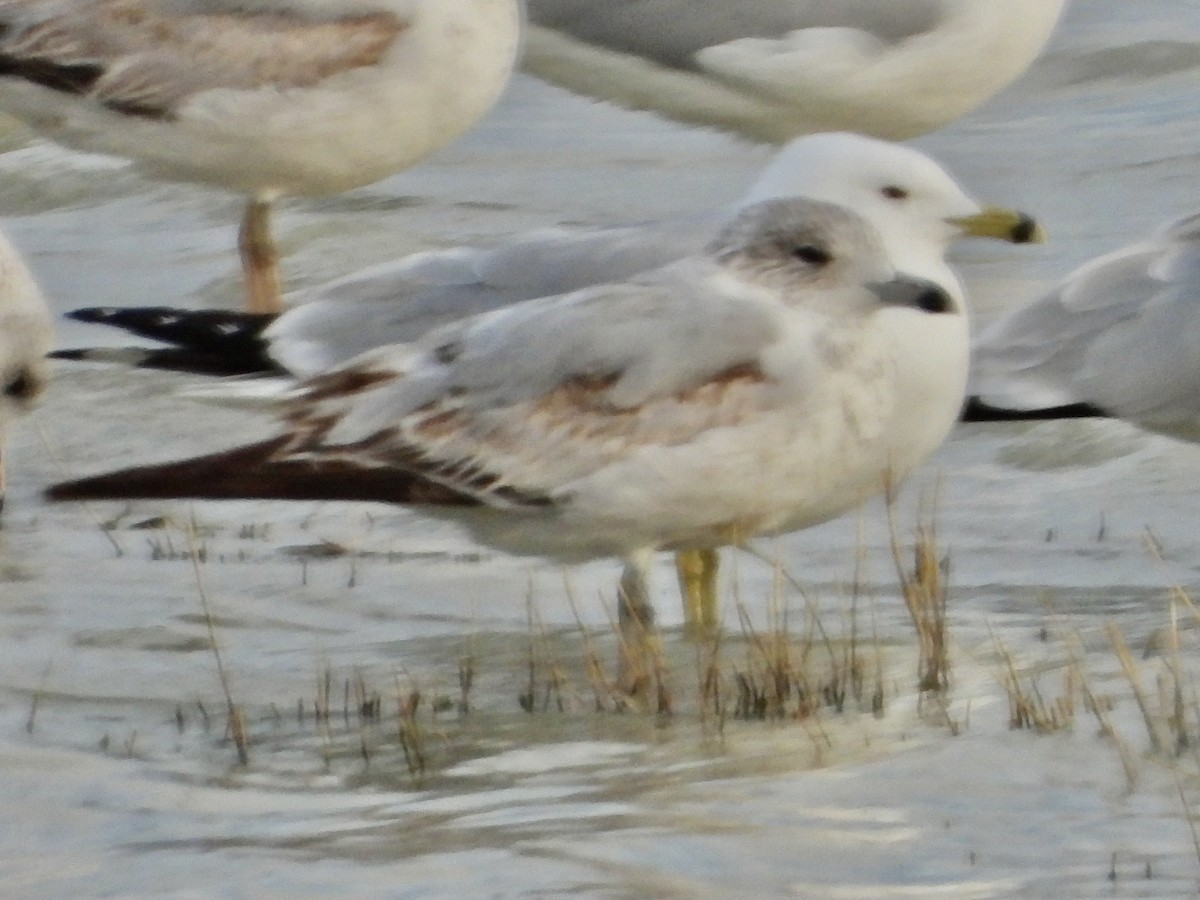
260, 259
697, 571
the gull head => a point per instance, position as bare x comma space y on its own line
822, 255
916, 206
26, 336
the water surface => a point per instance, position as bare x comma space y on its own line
119, 779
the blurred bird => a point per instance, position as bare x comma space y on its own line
268, 98
774, 69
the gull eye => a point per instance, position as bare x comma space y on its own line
935, 300
894, 192
22, 387
812, 254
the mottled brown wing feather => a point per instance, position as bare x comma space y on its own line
519, 454
440, 455
134, 58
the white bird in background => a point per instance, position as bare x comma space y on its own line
1119, 337
26, 336
773, 69
268, 98
915, 206
773, 382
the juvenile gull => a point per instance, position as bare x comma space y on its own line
773, 382
773, 69
267, 98
1117, 337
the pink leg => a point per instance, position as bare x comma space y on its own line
260, 259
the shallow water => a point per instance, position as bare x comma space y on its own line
118, 779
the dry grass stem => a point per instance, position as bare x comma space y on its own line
1028, 707
236, 722
925, 591
603, 690
1159, 739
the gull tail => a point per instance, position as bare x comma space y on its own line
975, 410
253, 472
203, 342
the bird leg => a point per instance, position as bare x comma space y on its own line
260, 259
697, 571
639, 662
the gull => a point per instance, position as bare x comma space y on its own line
1117, 337
772, 69
773, 382
915, 205
268, 98
26, 336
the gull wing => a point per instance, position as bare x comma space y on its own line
397, 302
148, 57
1121, 333
588, 378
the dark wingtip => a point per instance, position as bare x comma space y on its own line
175, 359
189, 327
100, 314
128, 356
203, 342
975, 410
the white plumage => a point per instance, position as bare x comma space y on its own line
917, 208
773, 69
1120, 334
268, 98
26, 336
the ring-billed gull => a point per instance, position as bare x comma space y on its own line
26, 336
915, 205
774, 382
1116, 337
772, 69
269, 98
917, 208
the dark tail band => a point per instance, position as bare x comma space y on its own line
252, 473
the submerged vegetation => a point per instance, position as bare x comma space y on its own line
812, 667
